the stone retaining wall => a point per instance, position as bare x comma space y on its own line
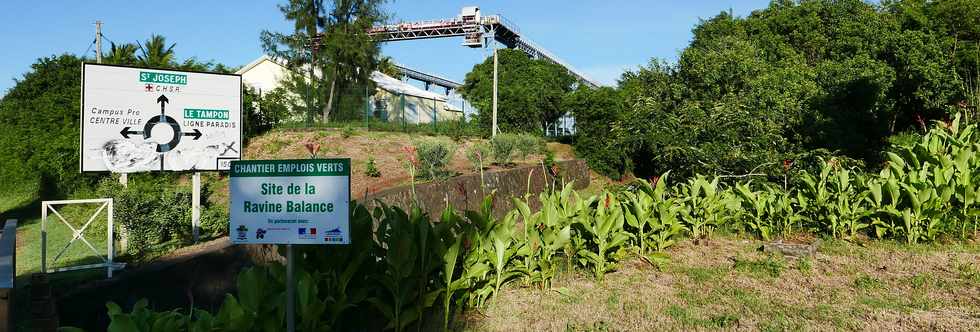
466, 192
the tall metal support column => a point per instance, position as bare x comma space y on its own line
494, 133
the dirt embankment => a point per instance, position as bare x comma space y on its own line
386, 148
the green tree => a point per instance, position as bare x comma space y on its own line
794, 78
122, 54
351, 55
155, 53
598, 113
333, 39
529, 92
39, 128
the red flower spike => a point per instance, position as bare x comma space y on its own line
410, 153
922, 122
312, 147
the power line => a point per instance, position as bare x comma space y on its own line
107, 38
85, 53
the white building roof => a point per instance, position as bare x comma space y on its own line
265, 72
396, 86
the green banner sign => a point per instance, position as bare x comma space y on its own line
290, 167
205, 114
162, 78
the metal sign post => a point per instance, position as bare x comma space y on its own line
196, 206
290, 291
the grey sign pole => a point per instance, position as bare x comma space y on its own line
290, 291
196, 206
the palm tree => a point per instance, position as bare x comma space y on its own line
156, 53
387, 66
124, 54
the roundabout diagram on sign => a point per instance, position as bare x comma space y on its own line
162, 119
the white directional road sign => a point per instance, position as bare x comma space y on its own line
299, 201
142, 119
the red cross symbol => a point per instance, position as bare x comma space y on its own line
149, 88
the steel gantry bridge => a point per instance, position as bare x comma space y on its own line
475, 29
428, 79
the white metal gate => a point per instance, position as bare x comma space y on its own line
79, 234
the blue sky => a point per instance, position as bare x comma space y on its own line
601, 38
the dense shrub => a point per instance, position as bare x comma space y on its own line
479, 155
214, 221
154, 212
347, 132
750, 92
528, 145
503, 147
596, 112
433, 156
150, 213
39, 129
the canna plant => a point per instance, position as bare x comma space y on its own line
530, 252
652, 215
546, 233
768, 212
450, 226
705, 206
883, 199
143, 319
504, 250
261, 309
943, 165
342, 272
479, 253
758, 208
406, 268
834, 202
602, 231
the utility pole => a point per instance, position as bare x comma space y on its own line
123, 177
98, 41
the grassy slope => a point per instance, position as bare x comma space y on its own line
729, 284
29, 240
